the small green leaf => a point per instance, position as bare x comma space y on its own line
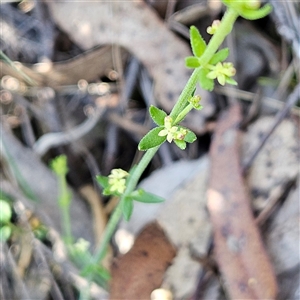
206, 83
157, 115
190, 137
219, 56
250, 14
107, 192
180, 144
192, 62
141, 196
127, 208
197, 42
102, 181
230, 80
152, 139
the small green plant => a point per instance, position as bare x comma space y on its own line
115, 185
208, 62
79, 251
60, 168
209, 65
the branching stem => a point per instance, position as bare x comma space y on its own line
215, 42
114, 219
176, 114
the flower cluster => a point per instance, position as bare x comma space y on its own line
213, 28
178, 134
195, 101
169, 131
117, 181
222, 72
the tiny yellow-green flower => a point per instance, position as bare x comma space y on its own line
117, 185
221, 72
82, 245
118, 174
213, 28
169, 130
170, 133
195, 101
116, 180
180, 134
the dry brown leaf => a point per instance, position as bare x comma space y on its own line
89, 66
240, 253
136, 274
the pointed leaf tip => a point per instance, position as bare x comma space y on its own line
151, 139
142, 196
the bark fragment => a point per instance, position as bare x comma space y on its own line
239, 250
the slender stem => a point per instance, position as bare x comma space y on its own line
109, 230
185, 94
215, 42
64, 203
217, 39
140, 168
181, 105
183, 114
114, 219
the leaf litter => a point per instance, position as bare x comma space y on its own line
269, 192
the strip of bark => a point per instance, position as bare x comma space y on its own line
242, 259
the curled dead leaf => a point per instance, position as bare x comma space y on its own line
137, 273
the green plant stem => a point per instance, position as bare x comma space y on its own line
217, 39
64, 203
185, 94
180, 107
183, 114
114, 219
215, 42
